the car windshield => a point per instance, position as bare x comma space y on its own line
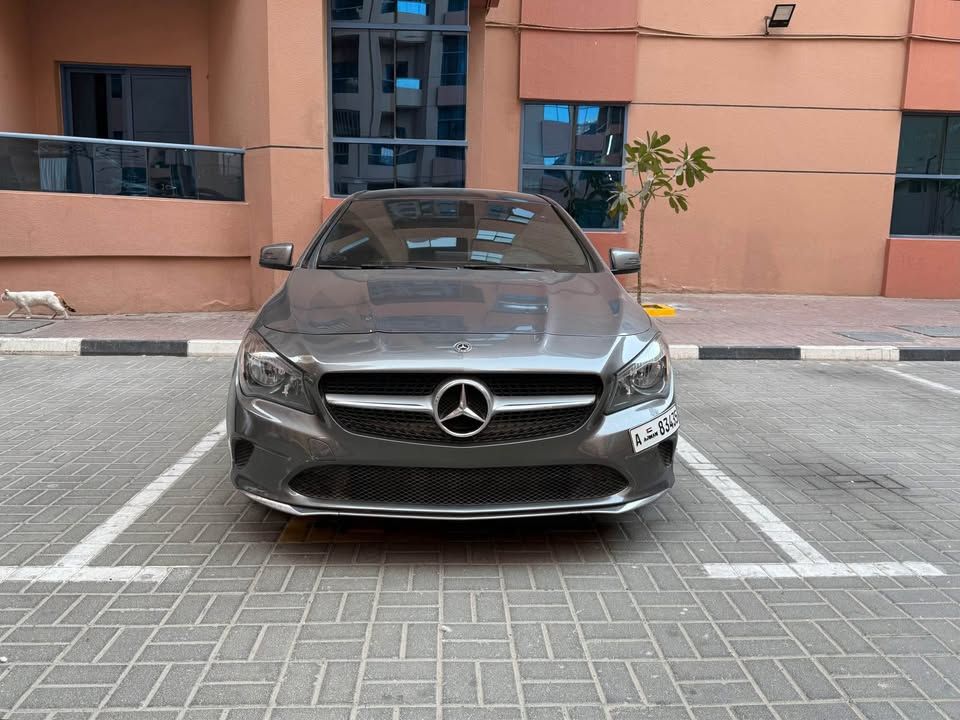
477, 233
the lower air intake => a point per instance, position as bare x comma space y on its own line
458, 486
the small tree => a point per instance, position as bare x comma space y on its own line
666, 174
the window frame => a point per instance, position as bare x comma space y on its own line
621, 168
126, 72
334, 25
937, 178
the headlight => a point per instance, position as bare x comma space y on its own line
644, 378
265, 374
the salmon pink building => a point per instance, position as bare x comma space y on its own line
148, 149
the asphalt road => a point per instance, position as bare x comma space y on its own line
806, 565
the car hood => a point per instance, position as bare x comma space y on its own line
462, 302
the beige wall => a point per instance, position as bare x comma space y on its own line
107, 253
268, 94
16, 95
126, 254
805, 131
238, 72
120, 284
258, 72
127, 32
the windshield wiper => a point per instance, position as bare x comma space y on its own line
407, 266
380, 266
497, 266
403, 266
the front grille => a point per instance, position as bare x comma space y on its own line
421, 427
458, 486
503, 384
418, 427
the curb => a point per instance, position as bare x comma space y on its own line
872, 353
96, 346
228, 348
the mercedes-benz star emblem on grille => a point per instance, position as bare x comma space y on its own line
462, 408
463, 346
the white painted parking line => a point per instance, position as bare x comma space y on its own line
121, 573
759, 514
104, 534
825, 569
807, 560
920, 380
75, 565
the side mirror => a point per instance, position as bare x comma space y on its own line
277, 257
624, 261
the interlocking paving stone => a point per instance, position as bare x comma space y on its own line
17, 326
565, 618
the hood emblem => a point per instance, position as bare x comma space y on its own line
462, 408
462, 347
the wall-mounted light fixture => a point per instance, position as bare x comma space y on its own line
780, 17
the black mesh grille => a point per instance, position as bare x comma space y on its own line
418, 427
503, 384
666, 452
242, 450
458, 486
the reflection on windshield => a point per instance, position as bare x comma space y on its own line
452, 233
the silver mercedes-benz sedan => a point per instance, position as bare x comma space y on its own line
451, 354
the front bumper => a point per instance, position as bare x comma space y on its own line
286, 442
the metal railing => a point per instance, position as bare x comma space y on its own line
59, 163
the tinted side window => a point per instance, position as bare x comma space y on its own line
926, 195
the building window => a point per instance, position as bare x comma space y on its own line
926, 195
398, 104
148, 104
451, 122
574, 155
453, 67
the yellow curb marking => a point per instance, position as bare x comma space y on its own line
655, 310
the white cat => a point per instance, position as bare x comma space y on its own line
27, 299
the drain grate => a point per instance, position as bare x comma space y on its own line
940, 331
874, 336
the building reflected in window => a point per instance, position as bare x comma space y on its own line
574, 155
390, 85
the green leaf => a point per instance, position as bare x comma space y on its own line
662, 172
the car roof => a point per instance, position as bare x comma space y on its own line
426, 193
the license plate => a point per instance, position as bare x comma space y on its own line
648, 434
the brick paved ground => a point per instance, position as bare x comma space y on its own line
562, 619
701, 320
807, 320
157, 326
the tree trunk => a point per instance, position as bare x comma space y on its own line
643, 212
